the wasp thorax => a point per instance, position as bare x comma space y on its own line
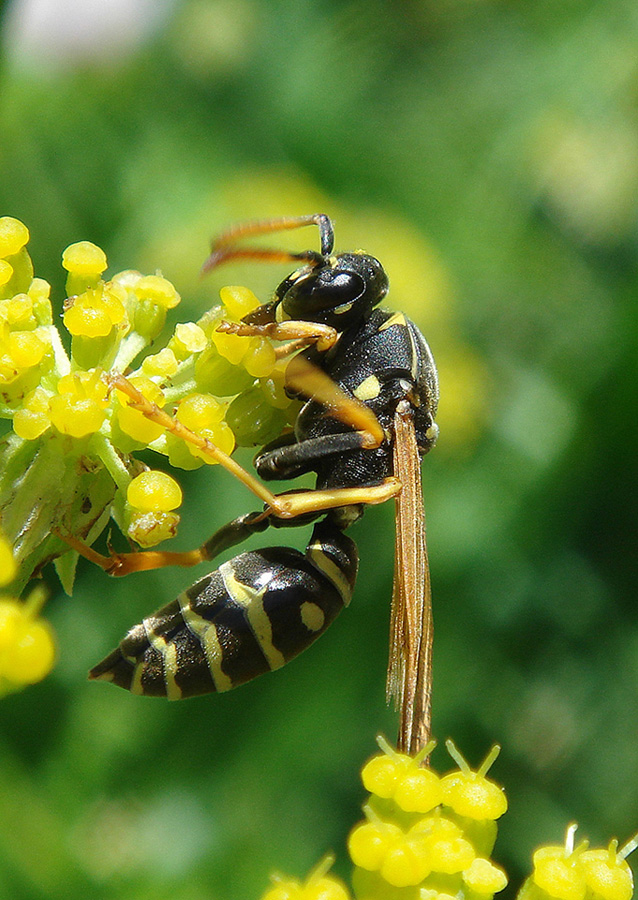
340, 292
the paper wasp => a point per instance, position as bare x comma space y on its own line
370, 388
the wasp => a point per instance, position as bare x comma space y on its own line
369, 388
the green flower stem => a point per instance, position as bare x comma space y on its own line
129, 348
103, 448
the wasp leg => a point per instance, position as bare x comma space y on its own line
291, 459
307, 505
302, 333
230, 535
118, 564
280, 505
171, 423
302, 503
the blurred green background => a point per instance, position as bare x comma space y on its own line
487, 152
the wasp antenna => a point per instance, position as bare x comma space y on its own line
224, 248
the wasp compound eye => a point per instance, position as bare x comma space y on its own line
324, 292
343, 291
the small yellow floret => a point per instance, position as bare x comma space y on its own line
231, 346
30, 658
405, 864
484, 877
84, 258
559, 874
380, 775
79, 407
17, 310
132, 421
27, 647
190, 337
11, 617
163, 364
419, 791
238, 300
369, 843
27, 348
449, 855
95, 312
157, 290
259, 359
14, 235
471, 794
40, 290
6, 271
32, 419
326, 888
154, 492
203, 414
200, 411
8, 566
608, 877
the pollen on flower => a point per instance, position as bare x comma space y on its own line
370, 842
14, 235
403, 778
231, 346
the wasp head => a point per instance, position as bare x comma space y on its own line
338, 291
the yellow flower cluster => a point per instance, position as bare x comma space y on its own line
27, 647
76, 436
317, 886
426, 836
579, 873
429, 837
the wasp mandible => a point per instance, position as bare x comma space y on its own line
370, 391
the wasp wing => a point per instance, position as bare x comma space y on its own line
410, 663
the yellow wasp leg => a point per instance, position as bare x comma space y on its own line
323, 336
119, 564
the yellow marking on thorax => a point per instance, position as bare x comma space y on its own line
312, 616
331, 570
369, 389
168, 652
252, 602
136, 683
396, 319
206, 634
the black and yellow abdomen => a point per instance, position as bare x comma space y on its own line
251, 615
